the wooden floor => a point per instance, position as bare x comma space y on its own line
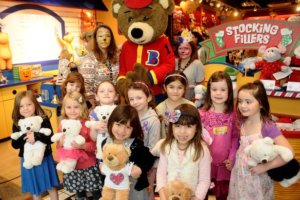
10, 180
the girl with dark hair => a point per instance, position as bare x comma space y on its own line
124, 128
254, 110
183, 153
175, 86
219, 119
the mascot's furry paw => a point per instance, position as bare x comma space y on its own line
142, 73
122, 86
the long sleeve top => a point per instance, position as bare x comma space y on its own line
94, 72
157, 57
20, 142
168, 166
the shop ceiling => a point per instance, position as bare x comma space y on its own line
253, 7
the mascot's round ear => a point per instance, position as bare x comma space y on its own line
116, 5
168, 5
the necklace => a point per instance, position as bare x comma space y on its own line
109, 67
183, 68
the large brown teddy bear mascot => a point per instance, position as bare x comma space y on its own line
147, 52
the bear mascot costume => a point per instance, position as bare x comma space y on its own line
147, 54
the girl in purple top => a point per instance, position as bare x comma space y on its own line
253, 182
219, 119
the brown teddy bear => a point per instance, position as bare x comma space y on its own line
5, 52
116, 170
178, 190
147, 51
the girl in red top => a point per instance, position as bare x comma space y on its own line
86, 176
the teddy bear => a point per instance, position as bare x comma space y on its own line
295, 65
117, 170
271, 63
33, 153
264, 150
147, 50
100, 113
67, 155
5, 51
63, 65
200, 91
178, 190
66, 43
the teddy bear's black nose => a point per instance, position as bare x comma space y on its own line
264, 161
137, 33
110, 158
103, 117
28, 128
175, 198
64, 130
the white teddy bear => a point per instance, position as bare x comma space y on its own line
100, 113
200, 91
67, 155
264, 150
33, 153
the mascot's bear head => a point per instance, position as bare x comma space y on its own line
142, 21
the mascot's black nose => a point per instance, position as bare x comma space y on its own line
264, 161
136, 33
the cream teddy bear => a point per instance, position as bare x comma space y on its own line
33, 153
100, 113
67, 155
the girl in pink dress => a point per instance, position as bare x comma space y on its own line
219, 119
246, 182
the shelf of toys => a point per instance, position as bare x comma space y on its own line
236, 48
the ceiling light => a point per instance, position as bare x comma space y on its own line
254, 9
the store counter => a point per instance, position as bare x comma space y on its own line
8, 92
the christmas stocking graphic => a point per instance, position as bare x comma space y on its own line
286, 36
219, 38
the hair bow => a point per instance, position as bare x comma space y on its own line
174, 116
80, 99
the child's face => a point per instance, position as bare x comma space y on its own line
138, 100
73, 87
27, 107
175, 90
72, 109
106, 94
184, 133
219, 92
248, 104
121, 131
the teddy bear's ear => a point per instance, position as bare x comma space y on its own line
116, 5
78, 123
20, 122
262, 49
39, 119
281, 48
268, 140
168, 5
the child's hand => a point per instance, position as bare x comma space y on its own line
30, 138
77, 146
61, 140
135, 172
101, 126
259, 169
228, 164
